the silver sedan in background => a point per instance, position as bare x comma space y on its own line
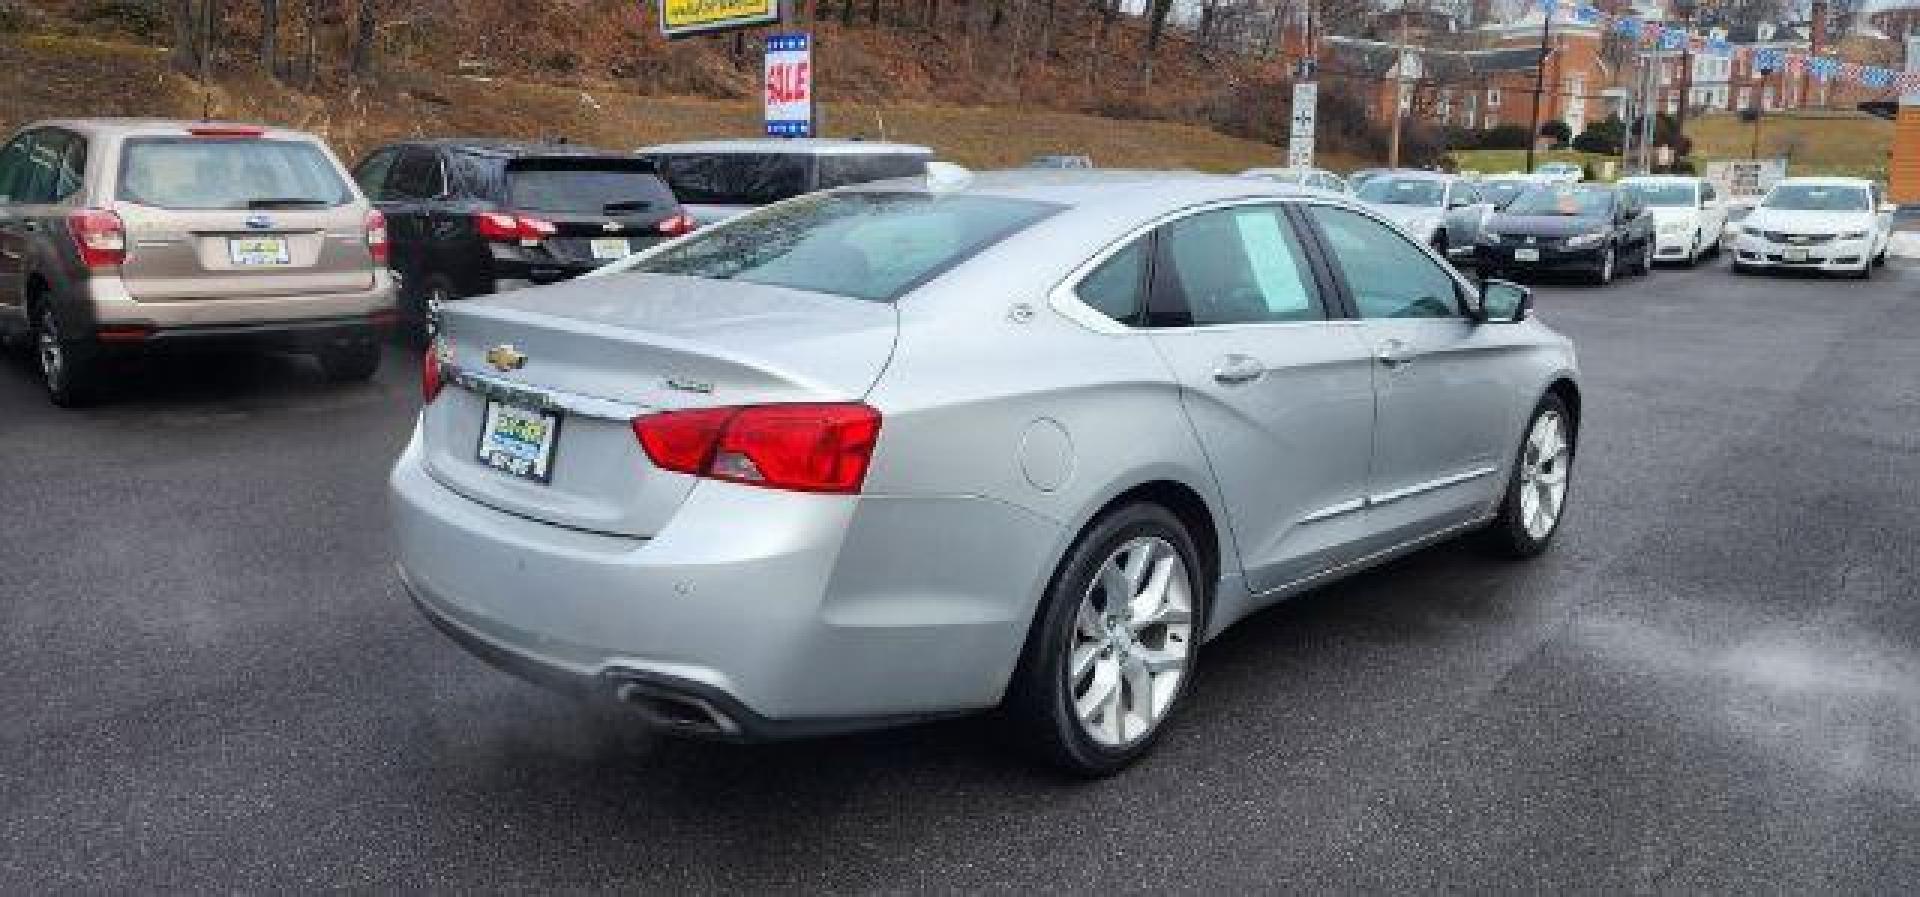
925, 447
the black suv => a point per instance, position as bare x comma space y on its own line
469, 217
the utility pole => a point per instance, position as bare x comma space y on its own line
1399, 90
1687, 10
1539, 82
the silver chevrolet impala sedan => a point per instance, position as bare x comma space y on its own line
916, 448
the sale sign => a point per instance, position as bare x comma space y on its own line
789, 88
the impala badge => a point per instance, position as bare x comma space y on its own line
505, 357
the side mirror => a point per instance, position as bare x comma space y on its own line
1504, 302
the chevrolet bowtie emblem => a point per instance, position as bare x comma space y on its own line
611, 226
505, 358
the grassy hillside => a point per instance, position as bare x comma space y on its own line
1838, 143
50, 76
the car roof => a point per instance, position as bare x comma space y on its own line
513, 148
818, 146
1106, 188
160, 127
1830, 181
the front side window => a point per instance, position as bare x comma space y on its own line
1816, 198
1388, 276
874, 246
204, 173
1231, 266
735, 179
1392, 191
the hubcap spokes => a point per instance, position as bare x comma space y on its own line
52, 359
1543, 475
1131, 640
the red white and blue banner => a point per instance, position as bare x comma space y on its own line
1655, 35
789, 85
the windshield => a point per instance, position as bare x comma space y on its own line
1403, 191
1816, 198
1653, 193
1500, 193
202, 173
587, 186
1569, 202
873, 246
735, 179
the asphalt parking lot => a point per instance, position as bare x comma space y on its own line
212, 680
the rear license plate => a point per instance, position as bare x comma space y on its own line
607, 249
258, 252
519, 441
1795, 255
1526, 255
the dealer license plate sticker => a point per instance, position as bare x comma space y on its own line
519, 441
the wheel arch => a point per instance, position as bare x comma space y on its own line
1568, 392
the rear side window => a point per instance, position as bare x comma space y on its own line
873, 246
372, 174
735, 179
215, 173
43, 166
417, 176
16, 169
586, 186
1116, 288
1232, 266
842, 170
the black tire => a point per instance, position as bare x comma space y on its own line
69, 368
350, 363
1646, 260
1039, 704
1603, 271
1880, 261
1741, 270
1865, 272
1508, 533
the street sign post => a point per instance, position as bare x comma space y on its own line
680, 18
789, 85
1306, 97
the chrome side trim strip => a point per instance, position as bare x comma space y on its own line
1441, 483
1375, 557
1335, 510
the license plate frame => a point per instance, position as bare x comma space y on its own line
1526, 255
1796, 254
259, 252
516, 454
609, 249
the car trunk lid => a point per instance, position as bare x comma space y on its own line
597, 352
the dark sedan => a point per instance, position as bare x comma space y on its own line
1589, 229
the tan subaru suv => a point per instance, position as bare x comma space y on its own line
120, 237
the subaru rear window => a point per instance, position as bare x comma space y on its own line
587, 186
195, 173
865, 245
736, 179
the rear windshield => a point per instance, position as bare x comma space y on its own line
873, 246
1816, 198
841, 170
735, 179
586, 186
221, 173
1655, 193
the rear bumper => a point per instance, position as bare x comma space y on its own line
790, 614
296, 335
110, 306
1550, 260
1834, 256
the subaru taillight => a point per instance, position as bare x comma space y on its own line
100, 237
430, 373
801, 447
500, 227
377, 244
680, 223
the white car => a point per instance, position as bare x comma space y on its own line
1318, 178
1838, 225
1688, 215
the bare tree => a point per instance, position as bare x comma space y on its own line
366, 27
1157, 12
270, 37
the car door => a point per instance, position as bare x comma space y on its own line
1441, 402
16, 178
1278, 390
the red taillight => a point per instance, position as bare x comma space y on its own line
803, 447
501, 227
100, 236
681, 223
430, 382
133, 334
377, 244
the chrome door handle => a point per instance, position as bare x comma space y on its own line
1237, 369
1393, 353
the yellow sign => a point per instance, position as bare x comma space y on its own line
679, 18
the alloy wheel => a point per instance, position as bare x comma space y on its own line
1131, 641
53, 357
1543, 475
